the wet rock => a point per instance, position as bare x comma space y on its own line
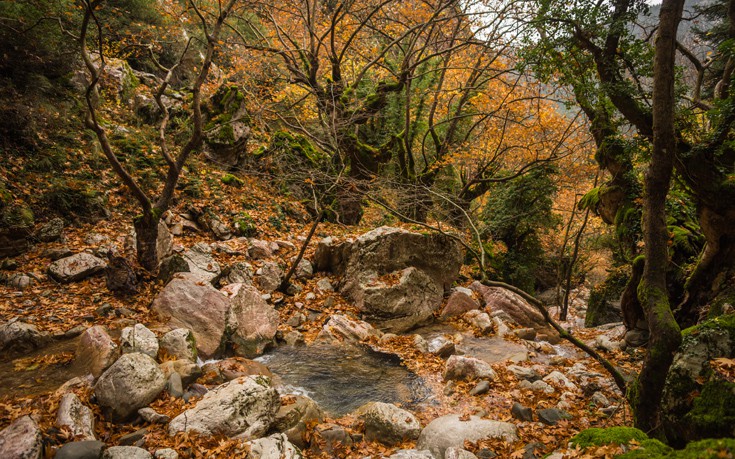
22, 439
97, 350
480, 320
451, 431
245, 407
387, 423
521, 412
180, 344
131, 383
17, 336
126, 452
552, 416
291, 419
276, 446
269, 276
76, 267
51, 231
186, 302
459, 302
76, 417
81, 450
460, 368
441, 346
252, 323
481, 388
139, 339
233, 368
340, 329
152, 416
333, 440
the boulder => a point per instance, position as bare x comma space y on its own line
304, 270
76, 267
180, 344
458, 453
252, 323
96, 350
187, 370
459, 302
340, 329
90, 449
16, 336
245, 407
388, 424
201, 263
291, 419
236, 273
259, 250
76, 417
480, 320
187, 302
126, 452
131, 383
22, 439
51, 231
276, 446
139, 339
451, 431
269, 276
441, 346
460, 368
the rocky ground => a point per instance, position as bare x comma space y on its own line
87, 370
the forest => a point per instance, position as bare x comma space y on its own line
393, 229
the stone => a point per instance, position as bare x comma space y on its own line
521, 412
233, 368
252, 323
96, 350
529, 334
201, 263
480, 320
388, 424
341, 329
139, 339
296, 320
637, 337
214, 223
411, 454
172, 265
268, 277
245, 407
120, 275
330, 440
17, 336
536, 386
420, 343
275, 446
259, 250
451, 431
599, 399
291, 419
294, 338
481, 388
76, 417
76, 267
186, 302
57, 253
51, 231
180, 344
524, 373
164, 242
90, 449
166, 453
605, 343
152, 416
20, 281
552, 416
559, 379
441, 346
460, 368
186, 369
22, 439
304, 270
324, 286
458, 453
131, 383
236, 273
460, 301
501, 328
133, 438
126, 452
174, 385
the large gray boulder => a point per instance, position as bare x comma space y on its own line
451, 431
387, 423
96, 350
76, 417
245, 407
131, 383
21, 440
139, 339
252, 323
19, 336
275, 446
187, 302
76, 267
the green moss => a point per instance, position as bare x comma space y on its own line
726, 322
714, 409
650, 449
591, 199
245, 225
231, 180
597, 437
707, 449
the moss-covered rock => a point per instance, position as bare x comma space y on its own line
232, 180
604, 304
227, 129
16, 224
619, 435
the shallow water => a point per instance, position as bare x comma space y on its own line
342, 379
491, 349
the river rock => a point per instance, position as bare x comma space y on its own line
341, 328
139, 339
559, 379
17, 336
252, 323
268, 277
126, 452
276, 446
76, 417
76, 267
387, 423
536, 386
291, 419
245, 407
152, 416
22, 439
459, 302
521, 412
304, 270
180, 344
480, 320
186, 302
450, 430
460, 368
131, 383
441, 346
90, 449
96, 350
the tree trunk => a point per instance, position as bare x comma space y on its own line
665, 335
146, 238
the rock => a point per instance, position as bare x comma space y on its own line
96, 350
481, 388
269, 276
458, 453
450, 431
54, 254
291, 419
152, 416
179, 343
186, 369
22, 439
245, 407
387, 423
233, 368
461, 368
91, 449
552, 416
76, 417
16, 336
236, 273
200, 261
604, 343
304, 270
259, 250
276, 446
188, 303
296, 320
559, 379
459, 302
599, 399
133, 438
126, 452
420, 344
501, 328
521, 412
20, 281
16, 225
51, 231
529, 334
524, 373
637, 337
441, 346
480, 320
330, 440
214, 223
252, 323
294, 338
536, 386
174, 385
516, 307
131, 383
172, 265
340, 329
139, 339
411, 454
166, 453
76, 267
120, 276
